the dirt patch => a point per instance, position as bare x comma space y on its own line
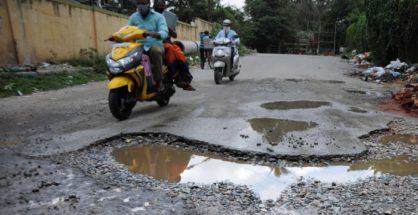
393, 106
408, 98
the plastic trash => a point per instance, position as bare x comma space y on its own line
411, 70
379, 72
375, 71
396, 65
396, 74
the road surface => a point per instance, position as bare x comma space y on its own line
65, 120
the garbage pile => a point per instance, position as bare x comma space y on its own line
395, 70
360, 60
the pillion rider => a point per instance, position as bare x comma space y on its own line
174, 56
157, 30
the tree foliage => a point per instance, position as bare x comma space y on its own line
392, 29
270, 24
357, 31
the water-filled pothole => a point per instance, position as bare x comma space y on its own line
274, 130
289, 105
355, 91
181, 166
404, 138
401, 165
357, 110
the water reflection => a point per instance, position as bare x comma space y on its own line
274, 130
162, 163
401, 165
179, 166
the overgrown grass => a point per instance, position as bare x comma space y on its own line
89, 58
16, 85
243, 50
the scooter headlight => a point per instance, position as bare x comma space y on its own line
115, 70
125, 61
117, 67
220, 53
114, 67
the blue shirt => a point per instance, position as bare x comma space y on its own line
203, 37
230, 35
154, 22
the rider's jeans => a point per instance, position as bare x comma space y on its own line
156, 54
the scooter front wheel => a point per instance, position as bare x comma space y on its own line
218, 75
118, 103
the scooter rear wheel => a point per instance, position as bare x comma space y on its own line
218, 75
163, 102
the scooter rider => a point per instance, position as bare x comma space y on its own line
227, 32
157, 31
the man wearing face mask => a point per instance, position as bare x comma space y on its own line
227, 32
157, 31
159, 6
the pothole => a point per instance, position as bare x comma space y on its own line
274, 130
357, 110
402, 138
166, 163
314, 81
288, 105
355, 91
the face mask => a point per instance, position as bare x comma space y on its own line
143, 9
226, 29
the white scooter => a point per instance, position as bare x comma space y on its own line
221, 58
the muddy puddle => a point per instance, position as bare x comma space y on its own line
355, 91
403, 138
180, 166
401, 165
289, 105
357, 110
273, 130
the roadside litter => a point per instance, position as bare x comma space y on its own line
360, 60
393, 71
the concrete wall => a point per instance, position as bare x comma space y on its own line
7, 44
36, 30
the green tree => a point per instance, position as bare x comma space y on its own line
392, 29
188, 10
357, 31
270, 24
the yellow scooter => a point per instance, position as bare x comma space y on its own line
129, 72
